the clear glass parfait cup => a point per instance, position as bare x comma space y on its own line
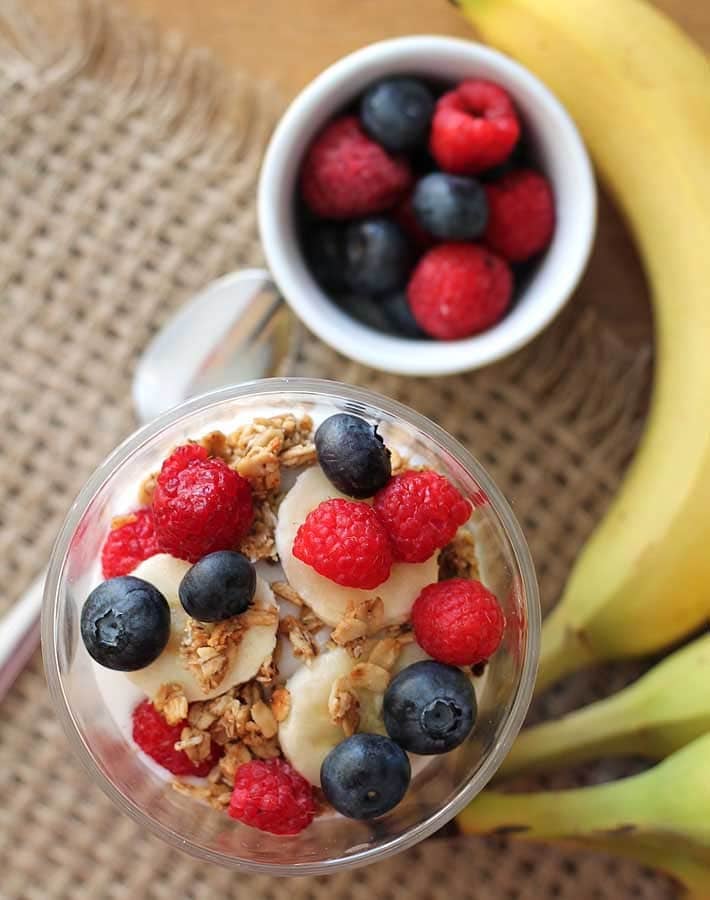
439, 789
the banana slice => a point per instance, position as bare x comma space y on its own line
307, 735
328, 600
256, 646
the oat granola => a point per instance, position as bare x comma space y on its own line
196, 744
146, 489
458, 559
304, 647
363, 617
280, 703
260, 448
385, 653
310, 621
284, 591
216, 795
260, 543
264, 718
171, 702
235, 755
207, 649
344, 706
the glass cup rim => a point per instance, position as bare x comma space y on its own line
322, 389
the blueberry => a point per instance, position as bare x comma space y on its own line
324, 247
377, 256
219, 586
366, 310
125, 623
365, 776
352, 455
397, 113
451, 207
429, 708
399, 315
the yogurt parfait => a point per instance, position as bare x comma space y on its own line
295, 617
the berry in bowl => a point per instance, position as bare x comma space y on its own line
291, 626
418, 209
426, 205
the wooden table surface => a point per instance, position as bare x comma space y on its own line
290, 42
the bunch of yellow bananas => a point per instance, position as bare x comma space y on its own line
639, 90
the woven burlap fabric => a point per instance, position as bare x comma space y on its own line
128, 168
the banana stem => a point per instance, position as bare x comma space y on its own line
563, 651
608, 727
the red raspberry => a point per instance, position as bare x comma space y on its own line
457, 290
270, 795
156, 738
458, 622
474, 128
129, 543
180, 458
521, 215
200, 505
421, 512
345, 174
346, 542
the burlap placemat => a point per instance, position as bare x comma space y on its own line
127, 176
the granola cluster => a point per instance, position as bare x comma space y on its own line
458, 559
244, 722
363, 617
259, 449
208, 649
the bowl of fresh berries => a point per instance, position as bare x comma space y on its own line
291, 626
426, 205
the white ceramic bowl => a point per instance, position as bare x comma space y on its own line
559, 151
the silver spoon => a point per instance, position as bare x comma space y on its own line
237, 329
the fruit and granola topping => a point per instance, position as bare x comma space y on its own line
290, 639
416, 210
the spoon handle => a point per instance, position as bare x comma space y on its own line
19, 634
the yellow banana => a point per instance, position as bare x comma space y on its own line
639, 90
661, 712
658, 817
